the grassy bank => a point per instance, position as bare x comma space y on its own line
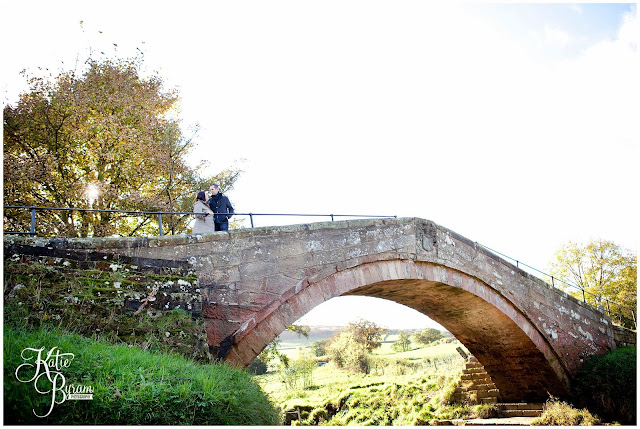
130, 386
401, 389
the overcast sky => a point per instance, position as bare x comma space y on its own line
515, 125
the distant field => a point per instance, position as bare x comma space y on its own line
291, 344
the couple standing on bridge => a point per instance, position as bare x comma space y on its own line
216, 211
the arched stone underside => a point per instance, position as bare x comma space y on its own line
513, 352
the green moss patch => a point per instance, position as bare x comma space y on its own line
155, 309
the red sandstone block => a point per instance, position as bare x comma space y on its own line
322, 273
296, 307
245, 353
323, 288
287, 294
278, 284
258, 338
217, 330
255, 298
214, 311
241, 313
316, 296
368, 275
233, 359
277, 322
345, 281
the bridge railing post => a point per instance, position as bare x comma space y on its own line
32, 229
251, 219
160, 224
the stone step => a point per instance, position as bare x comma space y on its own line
481, 393
520, 413
477, 376
521, 406
475, 371
477, 388
487, 386
513, 421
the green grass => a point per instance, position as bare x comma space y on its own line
401, 389
131, 386
339, 397
436, 351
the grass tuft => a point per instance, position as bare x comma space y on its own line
559, 413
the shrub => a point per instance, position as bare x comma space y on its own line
319, 348
300, 369
559, 413
346, 352
607, 385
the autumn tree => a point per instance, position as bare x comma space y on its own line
604, 273
403, 343
427, 336
348, 352
367, 333
107, 138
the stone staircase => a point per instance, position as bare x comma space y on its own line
476, 387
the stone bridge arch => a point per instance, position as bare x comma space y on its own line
516, 356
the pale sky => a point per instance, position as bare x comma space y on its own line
515, 125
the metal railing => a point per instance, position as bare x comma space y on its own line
554, 279
159, 214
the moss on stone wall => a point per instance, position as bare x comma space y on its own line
150, 307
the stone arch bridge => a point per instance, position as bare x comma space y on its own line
530, 337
